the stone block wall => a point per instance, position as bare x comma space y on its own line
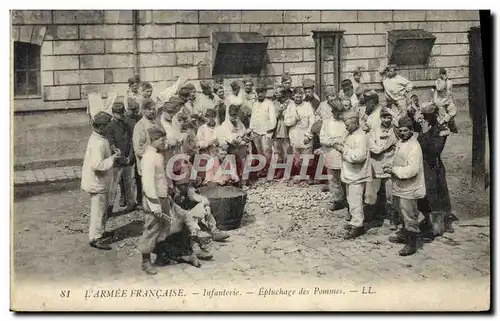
84, 51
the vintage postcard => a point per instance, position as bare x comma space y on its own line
242, 160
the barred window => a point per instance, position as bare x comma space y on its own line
26, 69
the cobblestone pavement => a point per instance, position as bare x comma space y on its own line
298, 240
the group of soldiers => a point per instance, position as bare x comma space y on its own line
150, 149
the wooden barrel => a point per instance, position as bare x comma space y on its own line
227, 204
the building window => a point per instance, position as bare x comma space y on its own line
26, 69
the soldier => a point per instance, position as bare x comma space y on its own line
280, 135
443, 98
140, 138
397, 90
382, 147
333, 132
120, 136
262, 124
220, 108
158, 215
309, 94
233, 133
134, 116
299, 116
408, 185
250, 97
286, 82
347, 92
97, 174
355, 172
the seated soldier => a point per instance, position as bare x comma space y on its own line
215, 175
197, 205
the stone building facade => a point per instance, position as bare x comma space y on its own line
83, 51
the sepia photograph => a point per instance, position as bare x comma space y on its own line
250, 160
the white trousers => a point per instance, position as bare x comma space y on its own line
98, 215
373, 187
354, 195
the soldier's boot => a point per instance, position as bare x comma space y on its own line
354, 232
219, 236
411, 244
338, 205
100, 244
200, 253
147, 266
398, 237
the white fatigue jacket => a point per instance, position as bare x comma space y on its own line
408, 170
332, 132
154, 178
300, 120
397, 87
324, 111
205, 139
263, 117
356, 165
175, 138
227, 132
202, 103
443, 92
97, 164
353, 98
382, 148
249, 99
140, 138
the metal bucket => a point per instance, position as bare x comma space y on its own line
227, 204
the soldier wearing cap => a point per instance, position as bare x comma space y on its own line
311, 97
159, 218
286, 82
333, 132
205, 100
140, 137
324, 110
397, 90
133, 91
382, 148
356, 171
236, 98
280, 136
443, 98
437, 199
198, 207
262, 124
220, 108
146, 91
357, 82
370, 112
299, 117
408, 185
233, 133
205, 135
347, 92
120, 137
250, 97
97, 174
186, 93
309, 94
134, 115
214, 174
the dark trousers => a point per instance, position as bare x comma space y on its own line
138, 183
